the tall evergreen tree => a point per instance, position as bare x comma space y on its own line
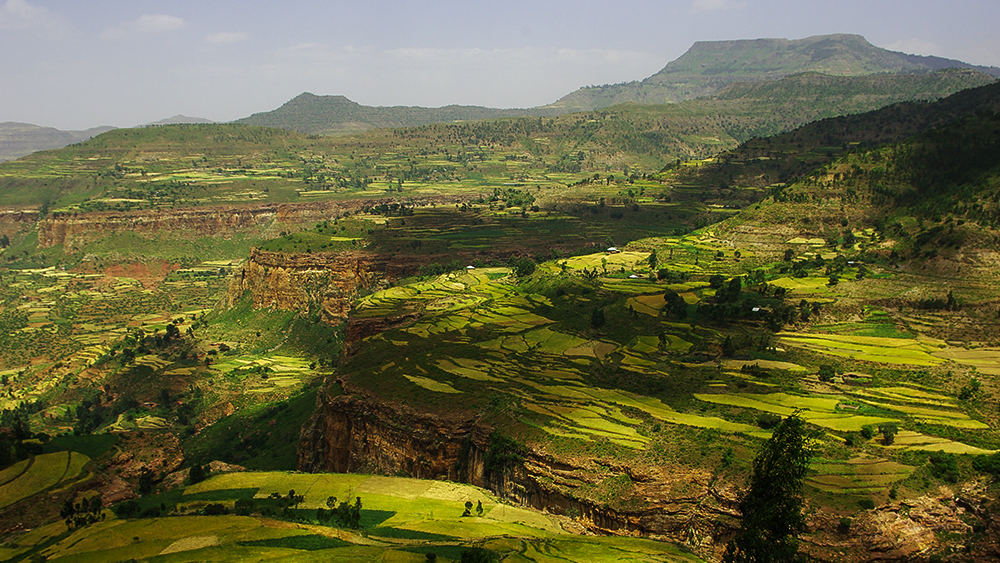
772, 503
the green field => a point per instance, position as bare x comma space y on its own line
39, 474
402, 519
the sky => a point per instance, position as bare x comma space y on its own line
74, 64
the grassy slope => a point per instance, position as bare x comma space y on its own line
402, 520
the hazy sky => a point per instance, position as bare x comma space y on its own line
75, 64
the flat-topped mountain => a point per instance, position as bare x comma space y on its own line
178, 119
709, 66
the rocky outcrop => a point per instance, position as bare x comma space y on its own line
353, 432
73, 231
329, 281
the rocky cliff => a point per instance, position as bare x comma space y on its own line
353, 431
329, 281
73, 230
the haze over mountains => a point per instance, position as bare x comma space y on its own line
706, 69
20, 139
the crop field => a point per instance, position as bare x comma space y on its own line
556, 395
908, 351
402, 520
528, 355
38, 474
90, 319
856, 475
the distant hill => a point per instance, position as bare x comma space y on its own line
709, 66
337, 115
178, 119
19, 139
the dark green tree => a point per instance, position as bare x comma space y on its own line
198, 473
888, 431
597, 319
771, 505
477, 555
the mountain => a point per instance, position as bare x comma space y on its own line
709, 66
337, 115
19, 139
178, 119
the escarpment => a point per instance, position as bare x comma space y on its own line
353, 431
329, 281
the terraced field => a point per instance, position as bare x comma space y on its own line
402, 520
38, 474
857, 475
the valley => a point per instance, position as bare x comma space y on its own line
535, 338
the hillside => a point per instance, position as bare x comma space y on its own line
767, 161
206, 164
707, 67
337, 115
19, 139
435, 314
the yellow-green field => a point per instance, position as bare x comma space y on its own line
39, 473
402, 521
906, 351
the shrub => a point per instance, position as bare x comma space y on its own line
127, 509
768, 420
215, 509
987, 464
944, 466
866, 504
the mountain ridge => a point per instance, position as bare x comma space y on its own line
709, 66
20, 139
336, 114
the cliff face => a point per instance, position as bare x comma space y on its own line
72, 231
299, 281
355, 432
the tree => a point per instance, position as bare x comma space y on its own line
772, 504
827, 373
597, 319
173, 332
888, 431
523, 267
676, 305
198, 473
4, 241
